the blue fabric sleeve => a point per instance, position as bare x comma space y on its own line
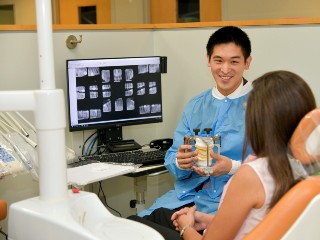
170, 158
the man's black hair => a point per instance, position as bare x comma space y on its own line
230, 34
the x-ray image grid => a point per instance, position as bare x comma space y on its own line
110, 93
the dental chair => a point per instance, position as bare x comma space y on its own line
3, 209
3, 213
297, 215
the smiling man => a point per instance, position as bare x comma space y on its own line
222, 109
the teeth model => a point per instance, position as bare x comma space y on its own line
203, 147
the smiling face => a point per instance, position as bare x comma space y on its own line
227, 65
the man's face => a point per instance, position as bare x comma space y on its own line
227, 67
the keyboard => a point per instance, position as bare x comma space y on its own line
144, 157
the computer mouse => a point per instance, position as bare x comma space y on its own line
100, 167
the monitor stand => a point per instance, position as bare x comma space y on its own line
112, 138
106, 135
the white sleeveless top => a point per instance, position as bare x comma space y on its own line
260, 166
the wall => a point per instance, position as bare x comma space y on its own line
288, 47
128, 11
122, 11
21, 15
19, 70
292, 47
137, 11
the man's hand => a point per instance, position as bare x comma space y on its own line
221, 166
186, 157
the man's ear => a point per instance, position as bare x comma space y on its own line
248, 62
208, 59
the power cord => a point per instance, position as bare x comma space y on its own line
85, 142
105, 199
3, 233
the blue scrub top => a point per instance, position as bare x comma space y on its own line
226, 117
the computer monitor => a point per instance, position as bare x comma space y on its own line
108, 93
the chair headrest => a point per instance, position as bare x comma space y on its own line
305, 141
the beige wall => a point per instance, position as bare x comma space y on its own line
20, 71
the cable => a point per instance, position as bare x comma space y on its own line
97, 152
84, 144
90, 146
105, 199
4, 234
104, 147
93, 142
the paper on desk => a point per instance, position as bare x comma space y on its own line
95, 172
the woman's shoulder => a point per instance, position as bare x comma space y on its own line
249, 174
259, 165
245, 182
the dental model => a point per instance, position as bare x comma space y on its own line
204, 146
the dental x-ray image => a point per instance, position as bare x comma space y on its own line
80, 72
130, 104
81, 92
128, 89
118, 105
142, 69
152, 88
129, 74
141, 88
107, 107
83, 114
154, 68
95, 113
93, 71
106, 94
117, 75
105, 75
124, 92
155, 108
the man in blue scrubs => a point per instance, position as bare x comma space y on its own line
222, 109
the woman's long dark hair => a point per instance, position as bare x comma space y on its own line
278, 101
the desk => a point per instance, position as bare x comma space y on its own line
94, 172
140, 183
86, 174
151, 170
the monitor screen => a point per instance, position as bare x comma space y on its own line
110, 92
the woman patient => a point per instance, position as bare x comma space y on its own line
277, 103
